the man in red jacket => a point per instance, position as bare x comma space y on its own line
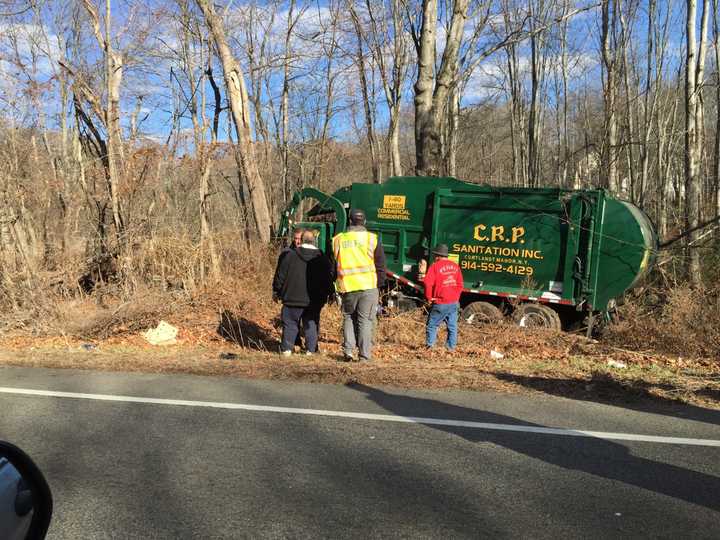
443, 286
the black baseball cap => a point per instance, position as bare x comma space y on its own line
356, 216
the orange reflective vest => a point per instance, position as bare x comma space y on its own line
355, 255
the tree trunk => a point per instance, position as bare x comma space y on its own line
631, 107
650, 102
392, 76
693, 67
564, 73
716, 154
111, 113
609, 59
284, 105
537, 69
427, 134
452, 131
239, 106
197, 73
367, 108
114, 72
394, 161
7, 244
518, 139
431, 92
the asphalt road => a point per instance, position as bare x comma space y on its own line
155, 470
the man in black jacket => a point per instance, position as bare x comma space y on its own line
296, 241
303, 282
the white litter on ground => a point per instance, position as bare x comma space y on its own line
163, 334
616, 364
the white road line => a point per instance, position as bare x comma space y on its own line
374, 417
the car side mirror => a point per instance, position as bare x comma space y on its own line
25, 498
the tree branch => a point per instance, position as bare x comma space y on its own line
683, 234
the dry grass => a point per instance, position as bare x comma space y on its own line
578, 377
682, 321
668, 346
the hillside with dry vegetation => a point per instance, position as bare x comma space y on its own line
662, 347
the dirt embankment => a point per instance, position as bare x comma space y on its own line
666, 349
243, 342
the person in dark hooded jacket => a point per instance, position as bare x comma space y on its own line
304, 283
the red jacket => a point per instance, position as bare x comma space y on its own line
443, 282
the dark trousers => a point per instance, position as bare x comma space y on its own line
292, 318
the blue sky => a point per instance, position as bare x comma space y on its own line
149, 34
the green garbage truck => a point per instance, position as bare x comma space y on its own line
547, 257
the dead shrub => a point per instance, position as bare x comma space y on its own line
84, 318
27, 304
681, 321
161, 278
167, 261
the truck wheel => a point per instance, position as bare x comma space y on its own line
537, 316
481, 313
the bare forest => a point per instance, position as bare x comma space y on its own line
148, 148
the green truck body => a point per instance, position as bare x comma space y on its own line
580, 249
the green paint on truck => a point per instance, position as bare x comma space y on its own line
576, 249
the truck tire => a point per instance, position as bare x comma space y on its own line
537, 316
477, 313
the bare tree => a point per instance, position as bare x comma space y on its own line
609, 15
540, 11
512, 18
330, 47
257, 29
195, 62
292, 19
431, 89
564, 141
716, 154
468, 59
239, 106
113, 80
389, 48
694, 73
368, 105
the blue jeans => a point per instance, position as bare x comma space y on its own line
439, 313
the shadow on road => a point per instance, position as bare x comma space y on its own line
601, 458
630, 394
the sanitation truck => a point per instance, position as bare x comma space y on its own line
548, 257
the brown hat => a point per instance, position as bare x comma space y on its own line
441, 250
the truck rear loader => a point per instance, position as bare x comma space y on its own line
546, 257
